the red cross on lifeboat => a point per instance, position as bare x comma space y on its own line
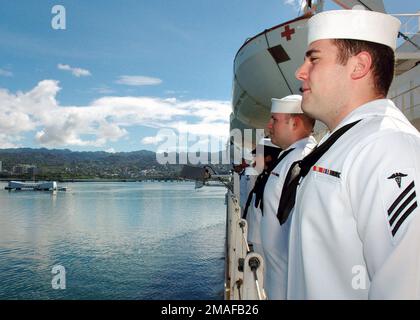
288, 33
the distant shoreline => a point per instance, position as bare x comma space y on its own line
97, 180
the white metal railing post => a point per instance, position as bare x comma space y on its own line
230, 247
244, 276
236, 185
227, 246
408, 18
234, 246
239, 252
254, 277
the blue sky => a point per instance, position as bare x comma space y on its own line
122, 70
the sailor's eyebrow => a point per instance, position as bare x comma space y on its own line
310, 52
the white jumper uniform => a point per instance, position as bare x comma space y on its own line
254, 222
355, 230
247, 182
273, 235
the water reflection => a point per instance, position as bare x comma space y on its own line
116, 240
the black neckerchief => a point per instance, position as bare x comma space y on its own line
260, 183
299, 169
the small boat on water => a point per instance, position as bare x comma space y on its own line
36, 186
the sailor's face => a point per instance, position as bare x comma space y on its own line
238, 168
323, 81
279, 128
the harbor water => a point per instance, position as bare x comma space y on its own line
133, 240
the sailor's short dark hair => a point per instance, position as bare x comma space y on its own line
383, 60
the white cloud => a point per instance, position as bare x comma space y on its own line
78, 72
138, 81
103, 90
5, 73
153, 139
178, 92
110, 150
298, 5
105, 119
216, 129
6, 142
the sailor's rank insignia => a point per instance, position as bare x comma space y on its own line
402, 201
327, 171
397, 176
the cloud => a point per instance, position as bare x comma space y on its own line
6, 142
298, 5
179, 93
19, 112
153, 139
78, 72
5, 73
110, 150
105, 119
138, 81
103, 90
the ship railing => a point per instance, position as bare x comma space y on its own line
244, 268
405, 92
410, 22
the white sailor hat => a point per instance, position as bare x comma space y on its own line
288, 104
266, 142
354, 24
263, 145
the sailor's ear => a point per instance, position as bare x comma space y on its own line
361, 64
294, 120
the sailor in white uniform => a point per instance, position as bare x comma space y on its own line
265, 153
291, 130
247, 178
241, 159
355, 231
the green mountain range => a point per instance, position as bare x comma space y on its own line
66, 164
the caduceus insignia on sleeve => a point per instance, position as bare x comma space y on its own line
397, 176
